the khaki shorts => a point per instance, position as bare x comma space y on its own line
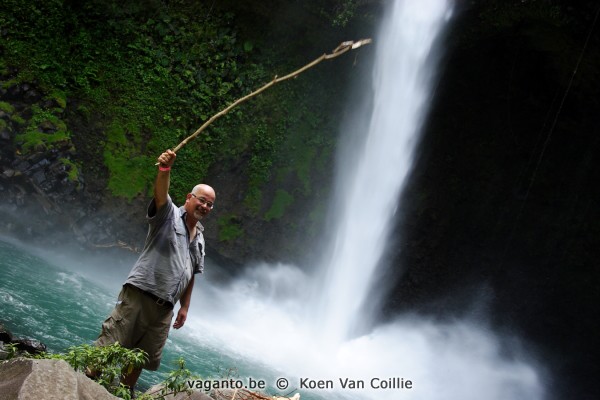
138, 322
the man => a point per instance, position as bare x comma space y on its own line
163, 274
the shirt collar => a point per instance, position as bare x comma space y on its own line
182, 214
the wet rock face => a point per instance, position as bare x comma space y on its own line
36, 146
44, 196
30, 346
53, 187
38, 176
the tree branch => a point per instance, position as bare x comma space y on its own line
341, 49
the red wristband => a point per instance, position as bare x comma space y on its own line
161, 168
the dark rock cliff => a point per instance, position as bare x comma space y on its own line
500, 220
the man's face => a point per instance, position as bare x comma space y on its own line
200, 203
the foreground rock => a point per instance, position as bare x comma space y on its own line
22, 379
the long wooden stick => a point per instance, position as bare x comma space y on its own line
341, 49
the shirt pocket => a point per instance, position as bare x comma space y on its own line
179, 238
196, 256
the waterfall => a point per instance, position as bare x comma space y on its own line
369, 188
278, 323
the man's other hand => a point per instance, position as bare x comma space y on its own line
181, 317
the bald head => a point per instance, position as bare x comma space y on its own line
204, 190
200, 201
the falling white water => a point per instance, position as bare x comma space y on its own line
405, 65
270, 317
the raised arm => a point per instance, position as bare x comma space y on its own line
161, 185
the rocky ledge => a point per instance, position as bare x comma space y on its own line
30, 346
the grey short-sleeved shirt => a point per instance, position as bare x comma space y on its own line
168, 259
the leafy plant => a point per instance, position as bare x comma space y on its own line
106, 363
109, 363
176, 382
11, 350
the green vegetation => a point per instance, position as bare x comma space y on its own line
60, 97
229, 228
141, 76
282, 200
18, 119
259, 167
128, 169
6, 107
108, 363
71, 168
43, 131
150, 70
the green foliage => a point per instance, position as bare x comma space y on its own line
259, 167
229, 228
107, 363
130, 172
72, 169
6, 107
17, 119
145, 75
44, 130
158, 72
345, 12
11, 350
59, 96
281, 201
128, 177
176, 382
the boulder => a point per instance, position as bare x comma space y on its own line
9, 173
31, 346
22, 378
